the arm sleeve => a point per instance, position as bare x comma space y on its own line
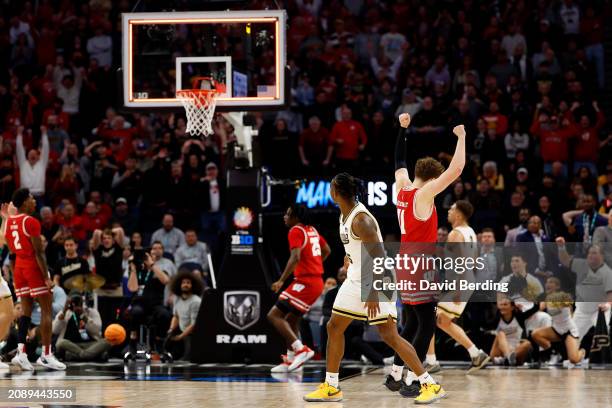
400, 150
296, 238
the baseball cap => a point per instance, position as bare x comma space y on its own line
120, 200
522, 170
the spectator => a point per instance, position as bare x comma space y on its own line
107, 248
187, 288
392, 42
516, 140
487, 206
553, 139
148, 281
523, 218
489, 172
170, 236
78, 328
100, 47
570, 17
67, 187
193, 254
438, 73
93, 219
581, 223
123, 216
540, 261
492, 255
70, 265
70, 222
588, 144
593, 285
496, 120
550, 224
347, 139
69, 89
591, 29
127, 182
518, 267
33, 168
411, 103
603, 237
312, 146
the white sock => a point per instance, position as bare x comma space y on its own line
21, 348
425, 378
430, 359
474, 351
331, 379
410, 377
297, 345
396, 372
290, 354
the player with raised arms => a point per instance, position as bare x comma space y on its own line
31, 278
359, 229
418, 222
308, 251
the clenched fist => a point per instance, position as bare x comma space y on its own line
459, 131
404, 119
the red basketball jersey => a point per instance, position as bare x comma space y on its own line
308, 240
419, 238
415, 229
19, 229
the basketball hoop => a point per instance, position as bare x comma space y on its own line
199, 104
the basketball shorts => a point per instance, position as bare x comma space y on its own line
300, 295
29, 282
348, 303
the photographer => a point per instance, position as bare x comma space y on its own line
187, 287
79, 332
148, 281
108, 254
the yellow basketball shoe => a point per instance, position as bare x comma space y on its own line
324, 393
430, 393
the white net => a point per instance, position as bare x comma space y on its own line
199, 105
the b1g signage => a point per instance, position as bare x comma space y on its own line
316, 194
232, 324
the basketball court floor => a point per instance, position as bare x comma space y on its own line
229, 385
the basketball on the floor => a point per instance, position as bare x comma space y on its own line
115, 334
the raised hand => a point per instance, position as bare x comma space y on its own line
459, 131
405, 119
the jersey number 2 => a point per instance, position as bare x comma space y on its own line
316, 247
16, 242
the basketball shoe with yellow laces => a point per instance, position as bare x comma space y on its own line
325, 393
430, 393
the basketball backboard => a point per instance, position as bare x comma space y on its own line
244, 50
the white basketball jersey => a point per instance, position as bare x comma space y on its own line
469, 236
352, 243
469, 247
